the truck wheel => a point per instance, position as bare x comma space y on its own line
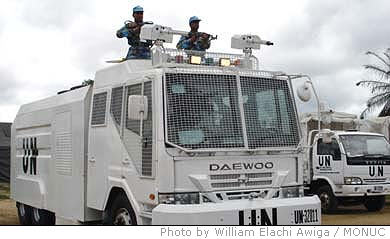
41, 217
24, 214
120, 213
329, 202
374, 204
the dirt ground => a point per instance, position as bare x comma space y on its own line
8, 213
356, 215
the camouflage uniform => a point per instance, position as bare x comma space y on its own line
200, 44
138, 49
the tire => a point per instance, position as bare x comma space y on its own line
24, 214
375, 204
120, 213
329, 202
41, 217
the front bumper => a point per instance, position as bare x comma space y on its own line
362, 190
290, 211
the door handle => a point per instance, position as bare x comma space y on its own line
317, 167
126, 161
92, 159
145, 142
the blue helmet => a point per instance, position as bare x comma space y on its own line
138, 9
194, 18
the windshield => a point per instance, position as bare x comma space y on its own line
365, 145
204, 111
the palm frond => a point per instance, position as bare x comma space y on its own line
371, 83
387, 54
381, 73
378, 100
380, 88
379, 57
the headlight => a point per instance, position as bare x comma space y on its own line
178, 198
352, 180
292, 192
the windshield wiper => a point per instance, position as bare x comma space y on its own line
374, 155
355, 156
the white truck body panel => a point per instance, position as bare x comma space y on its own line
55, 179
251, 212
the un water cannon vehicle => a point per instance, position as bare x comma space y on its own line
186, 137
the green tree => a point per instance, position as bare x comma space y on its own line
87, 82
378, 82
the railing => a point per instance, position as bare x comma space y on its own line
174, 56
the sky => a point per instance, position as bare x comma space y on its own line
49, 45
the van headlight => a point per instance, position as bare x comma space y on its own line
178, 198
292, 192
353, 180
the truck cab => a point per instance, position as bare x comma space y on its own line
350, 168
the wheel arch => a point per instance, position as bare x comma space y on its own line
321, 181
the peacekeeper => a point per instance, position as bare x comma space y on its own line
131, 30
197, 41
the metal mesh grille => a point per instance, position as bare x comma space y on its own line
226, 185
116, 104
64, 154
269, 113
133, 125
99, 109
258, 175
376, 180
240, 184
240, 180
147, 140
224, 176
210, 58
203, 111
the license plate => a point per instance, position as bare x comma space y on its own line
378, 188
269, 217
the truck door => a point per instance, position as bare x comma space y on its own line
327, 161
138, 135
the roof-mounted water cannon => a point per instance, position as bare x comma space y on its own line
156, 33
248, 42
160, 35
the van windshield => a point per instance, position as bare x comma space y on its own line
365, 145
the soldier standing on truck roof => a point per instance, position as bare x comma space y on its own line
131, 30
195, 40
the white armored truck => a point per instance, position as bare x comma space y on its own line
184, 138
345, 166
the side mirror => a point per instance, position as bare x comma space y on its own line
303, 92
327, 136
137, 107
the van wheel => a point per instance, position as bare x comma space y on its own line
374, 204
41, 217
329, 202
120, 213
24, 214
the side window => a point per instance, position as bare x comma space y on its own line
147, 140
329, 149
133, 125
116, 105
99, 109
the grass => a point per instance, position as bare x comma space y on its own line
4, 191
